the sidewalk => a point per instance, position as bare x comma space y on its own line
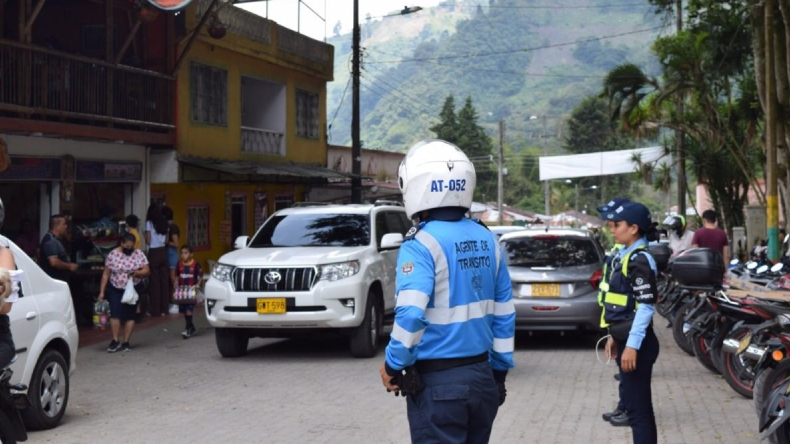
93, 336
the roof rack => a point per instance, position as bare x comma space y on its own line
393, 203
308, 204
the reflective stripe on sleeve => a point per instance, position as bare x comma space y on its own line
412, 297
504, 308
504, 345
407, 338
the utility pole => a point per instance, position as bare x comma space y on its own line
679, 135
546, 187
577, 197
500, 187
770, 134
356, 144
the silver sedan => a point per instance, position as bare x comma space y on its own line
555, 276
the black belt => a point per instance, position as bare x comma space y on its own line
435, 365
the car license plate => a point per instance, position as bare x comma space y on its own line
270, 306
545, 290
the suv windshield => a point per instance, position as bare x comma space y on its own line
314, 230
550, 251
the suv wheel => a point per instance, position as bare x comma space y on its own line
231, 342
365, 339
48, 393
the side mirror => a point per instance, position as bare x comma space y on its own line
241, 242
734, 262
762, 269
777, 267
391, 240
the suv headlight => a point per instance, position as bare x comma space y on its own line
335, 272
221, 272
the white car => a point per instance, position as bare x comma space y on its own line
44, 328
320, 269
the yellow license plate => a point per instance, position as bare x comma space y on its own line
270, 306
545, 290
744, 344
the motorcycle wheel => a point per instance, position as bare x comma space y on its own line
664, 306
734, 365
766, 381
701, 345
677, 329
781, 435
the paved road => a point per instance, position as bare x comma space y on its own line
169, 390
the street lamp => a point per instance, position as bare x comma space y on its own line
356, 143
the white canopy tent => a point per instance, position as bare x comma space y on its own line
598, 164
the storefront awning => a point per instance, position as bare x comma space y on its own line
210, 170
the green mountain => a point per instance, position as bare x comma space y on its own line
546, 61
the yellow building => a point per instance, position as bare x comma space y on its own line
250, 126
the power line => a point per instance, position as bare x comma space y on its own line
341, 103
395, 102
403, 95
496, 31
535, 48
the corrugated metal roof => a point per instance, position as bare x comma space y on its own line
264, 171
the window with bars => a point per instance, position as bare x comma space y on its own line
198, 226
208, 94
283, 201
307, 123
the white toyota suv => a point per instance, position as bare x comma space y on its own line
310, 269
44, 328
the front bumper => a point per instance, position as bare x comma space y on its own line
326, 305
579, 313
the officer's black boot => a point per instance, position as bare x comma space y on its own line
609, 415
620, 420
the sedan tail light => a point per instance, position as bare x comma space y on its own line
595, 280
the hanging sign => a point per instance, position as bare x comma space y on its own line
32, 168
96, 171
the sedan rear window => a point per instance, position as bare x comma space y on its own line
550, 251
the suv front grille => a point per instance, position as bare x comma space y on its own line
291, 279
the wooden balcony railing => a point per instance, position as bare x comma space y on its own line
261, 141
40, 82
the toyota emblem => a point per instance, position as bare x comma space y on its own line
272, 277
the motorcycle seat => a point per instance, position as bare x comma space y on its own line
18, 387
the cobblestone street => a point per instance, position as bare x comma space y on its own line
170, 390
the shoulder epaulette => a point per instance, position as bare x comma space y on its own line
480, 222
413, 231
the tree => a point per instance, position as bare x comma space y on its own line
447, 128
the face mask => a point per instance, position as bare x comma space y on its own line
128, 251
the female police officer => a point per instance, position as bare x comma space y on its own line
628, 313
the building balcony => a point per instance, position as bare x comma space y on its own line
261, 141
38, 83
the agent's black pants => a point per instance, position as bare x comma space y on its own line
635, 392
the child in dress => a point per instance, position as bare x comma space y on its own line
189, 275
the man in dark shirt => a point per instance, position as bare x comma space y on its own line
54, 260
711, 236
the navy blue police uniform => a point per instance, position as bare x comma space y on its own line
629, 305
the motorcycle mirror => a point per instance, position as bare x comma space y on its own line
751, 265
787, 238
762, 269
777, 267
734, 262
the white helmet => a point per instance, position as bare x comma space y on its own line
436, 174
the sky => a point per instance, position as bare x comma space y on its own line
286, 12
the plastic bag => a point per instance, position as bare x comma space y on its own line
101, 314
129, 294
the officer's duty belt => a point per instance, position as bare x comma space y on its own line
435, 365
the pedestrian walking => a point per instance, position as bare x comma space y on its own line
132, 222
629, 304
452, 342
123, 263
189, 276
159, 285
619, 416
173, 235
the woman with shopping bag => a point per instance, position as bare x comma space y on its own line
124, 268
